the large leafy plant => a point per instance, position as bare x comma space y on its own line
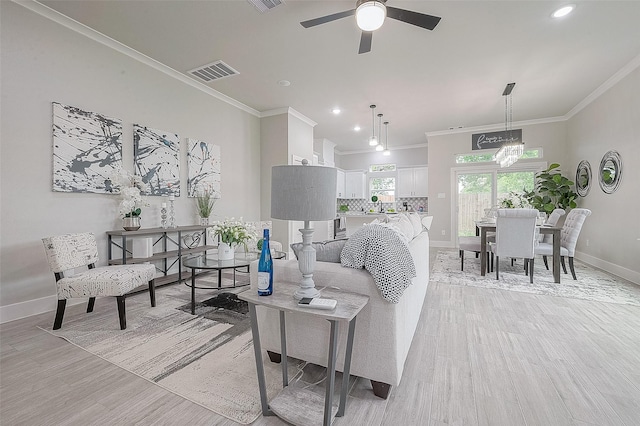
552, 191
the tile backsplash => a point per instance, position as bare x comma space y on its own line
365, 205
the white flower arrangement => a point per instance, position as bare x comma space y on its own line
233, 232
130, 187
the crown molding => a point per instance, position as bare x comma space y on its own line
498, 126
290, 111
94, 35
372, 149
612, 81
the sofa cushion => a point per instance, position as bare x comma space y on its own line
415, 221
404, 223
326, 251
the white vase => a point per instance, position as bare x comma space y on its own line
225, 251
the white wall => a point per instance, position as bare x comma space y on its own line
611, 122
43, 62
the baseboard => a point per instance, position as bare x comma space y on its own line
609, 267
442, 244
32, 307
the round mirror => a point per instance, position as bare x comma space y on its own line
583, 178
610, 173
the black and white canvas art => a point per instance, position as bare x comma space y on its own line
157, 160
87, 149
203, 163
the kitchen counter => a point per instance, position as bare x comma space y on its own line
355, 220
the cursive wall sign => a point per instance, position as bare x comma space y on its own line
495, 139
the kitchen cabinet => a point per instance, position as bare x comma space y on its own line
355, 184
412, 182
341, 189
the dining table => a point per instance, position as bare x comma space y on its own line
554, 231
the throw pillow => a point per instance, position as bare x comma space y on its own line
326, 251
405, 226
417, 224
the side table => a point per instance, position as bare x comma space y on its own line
315, 410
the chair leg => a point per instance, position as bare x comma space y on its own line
526, 267
462, 260
92, 301
121, 312
497, 267
573, 271
57, 323
564, 267
546, 264
512, 260
152, 292
492, 256
531, 271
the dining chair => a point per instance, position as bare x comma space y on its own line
552, 220
469, 244
516, 237
568, 239
73, 251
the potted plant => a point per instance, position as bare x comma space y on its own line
205, 200
131, 201
551, 191
231, 234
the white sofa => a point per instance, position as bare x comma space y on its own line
384, 330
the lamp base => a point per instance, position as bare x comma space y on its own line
306, 292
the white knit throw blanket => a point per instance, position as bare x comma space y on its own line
382, 252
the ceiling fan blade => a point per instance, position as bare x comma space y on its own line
328, 18
418, 19
365, 42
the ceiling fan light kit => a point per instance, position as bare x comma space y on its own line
370, 15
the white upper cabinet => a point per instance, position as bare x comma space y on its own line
355, 185
412, 182
340, 189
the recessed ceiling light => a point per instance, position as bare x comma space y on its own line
284, 83
336, 111
563, 11
357, 128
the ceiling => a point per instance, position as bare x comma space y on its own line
422, 81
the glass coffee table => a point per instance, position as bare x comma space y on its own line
211, 263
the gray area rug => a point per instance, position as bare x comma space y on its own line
591, 283
207, 358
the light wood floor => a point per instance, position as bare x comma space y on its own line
479, 357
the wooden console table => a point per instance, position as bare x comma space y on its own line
286, 404
162, 237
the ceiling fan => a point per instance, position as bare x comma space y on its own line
370, 16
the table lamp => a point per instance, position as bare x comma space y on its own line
304, 193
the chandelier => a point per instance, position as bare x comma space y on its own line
511, 150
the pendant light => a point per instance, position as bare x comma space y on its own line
386, 151
373, 141
379, 147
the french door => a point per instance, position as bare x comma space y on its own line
482, 189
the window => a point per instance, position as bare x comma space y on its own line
488, 158
382, 182
376, 168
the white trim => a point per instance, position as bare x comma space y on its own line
372, 149
441, 244
499, 126
290, 111
626, 70
94, 35
29, 308
609, 267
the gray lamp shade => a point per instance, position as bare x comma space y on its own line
303, 192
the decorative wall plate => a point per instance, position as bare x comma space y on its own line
583, 178
610, 173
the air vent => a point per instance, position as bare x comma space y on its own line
265, 5
213, 71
